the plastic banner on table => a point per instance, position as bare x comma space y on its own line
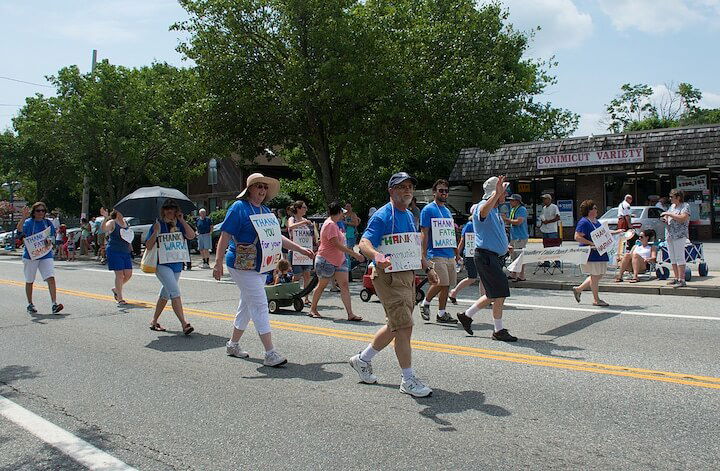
577, 255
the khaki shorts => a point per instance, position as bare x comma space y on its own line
445, 269
397, 295
517, 245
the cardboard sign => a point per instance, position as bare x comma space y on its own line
578, 255
443, 233
303, 236
602, 238
172, 248
268, 231
38, 245
404, 251
469, 244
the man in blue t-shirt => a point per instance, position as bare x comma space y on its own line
204, 236
440, 247
491, 244
518, 231
392, 229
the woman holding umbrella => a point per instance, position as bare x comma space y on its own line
119, 237
171, 221
254, 244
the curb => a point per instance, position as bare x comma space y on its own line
706, 291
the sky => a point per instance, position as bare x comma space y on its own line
598, 44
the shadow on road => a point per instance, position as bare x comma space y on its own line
579, 324
444, 402
308, 372
175, 341
12, 373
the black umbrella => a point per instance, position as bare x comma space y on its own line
145, 203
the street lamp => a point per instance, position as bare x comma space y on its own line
11, 187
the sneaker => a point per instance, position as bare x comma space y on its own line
672, 283
425, 312
31, 309
206, 265
504, 336
57, 308
680, 284
466, 322
414, 387
235, 351
274, 359
364, 370
445, 319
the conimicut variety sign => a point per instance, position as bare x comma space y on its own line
586, 159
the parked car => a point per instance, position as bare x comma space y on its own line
643, 217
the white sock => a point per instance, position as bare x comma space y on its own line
471, 311
425, 302
498, 324
368, 354
231, 343
441, 313
268, 352
407, 373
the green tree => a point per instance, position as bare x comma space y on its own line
631, 105
379, 85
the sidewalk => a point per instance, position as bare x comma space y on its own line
707, 286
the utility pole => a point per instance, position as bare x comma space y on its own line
85, 208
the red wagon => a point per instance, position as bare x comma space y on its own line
368, 288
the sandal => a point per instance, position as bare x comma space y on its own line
618, 280
518, 279
452, 299
307, 303
314, 315
157, 328
188, 329
634, 280
114, 294
355, 319
601, 303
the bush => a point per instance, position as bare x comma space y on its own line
218, 216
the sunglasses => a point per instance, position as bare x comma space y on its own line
443, 190
262, 186
41, 210
642, 236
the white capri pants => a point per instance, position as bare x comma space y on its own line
253, 301
676, 250
31, 267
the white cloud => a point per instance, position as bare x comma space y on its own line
591, 123
563, 26
710, 100
661, 16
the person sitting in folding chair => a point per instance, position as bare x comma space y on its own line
639, 258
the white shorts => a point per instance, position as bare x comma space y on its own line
45, 265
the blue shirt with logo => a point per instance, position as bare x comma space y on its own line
30, 227
237, 223
520, 231
388, 220
429, 212
490, 231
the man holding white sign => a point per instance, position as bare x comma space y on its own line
38, 255
467, 248
393, 243
440, 246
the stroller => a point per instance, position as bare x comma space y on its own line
368, 288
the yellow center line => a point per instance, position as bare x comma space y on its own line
520, 358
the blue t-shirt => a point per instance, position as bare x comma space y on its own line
237, 223
31, 226
490, 231
468, 227
116, 243
176, 267
431, 211
204, 226
388, 220
585, 227
520, 231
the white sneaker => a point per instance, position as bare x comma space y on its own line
364, 370
274, 359
414, 387
236, 351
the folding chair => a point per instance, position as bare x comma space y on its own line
549, 267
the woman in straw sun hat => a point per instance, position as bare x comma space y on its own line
251, 235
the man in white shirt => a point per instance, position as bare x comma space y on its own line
549, 218
662, 204
624, 213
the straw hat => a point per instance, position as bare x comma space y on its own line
273, 185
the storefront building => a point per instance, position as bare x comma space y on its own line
644, 164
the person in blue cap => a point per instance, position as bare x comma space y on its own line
393, 243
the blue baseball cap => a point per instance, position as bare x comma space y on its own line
400, 177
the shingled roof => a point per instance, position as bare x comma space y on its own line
695, 146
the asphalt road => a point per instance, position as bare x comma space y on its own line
634, 386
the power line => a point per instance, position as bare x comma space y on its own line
24, 81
